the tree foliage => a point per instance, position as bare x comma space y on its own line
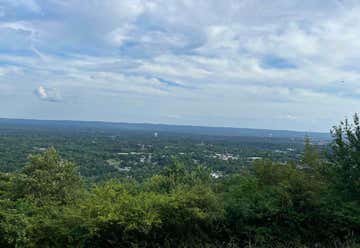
314, 203
345, 157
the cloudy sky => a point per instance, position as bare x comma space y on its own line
282, 64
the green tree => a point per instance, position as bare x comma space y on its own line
345, 157
47, 177
311, 155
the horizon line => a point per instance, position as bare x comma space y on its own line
164, 124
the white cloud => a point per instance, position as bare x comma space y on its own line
48, 94
119, 35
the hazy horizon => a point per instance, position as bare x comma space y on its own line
161, 123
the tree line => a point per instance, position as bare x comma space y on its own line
315, 203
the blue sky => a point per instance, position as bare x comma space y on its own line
283, 64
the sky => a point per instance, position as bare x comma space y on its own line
281, 64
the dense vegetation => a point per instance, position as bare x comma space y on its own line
313, 202
102, 153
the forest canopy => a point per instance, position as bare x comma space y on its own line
313, 203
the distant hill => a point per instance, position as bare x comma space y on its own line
145, 127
